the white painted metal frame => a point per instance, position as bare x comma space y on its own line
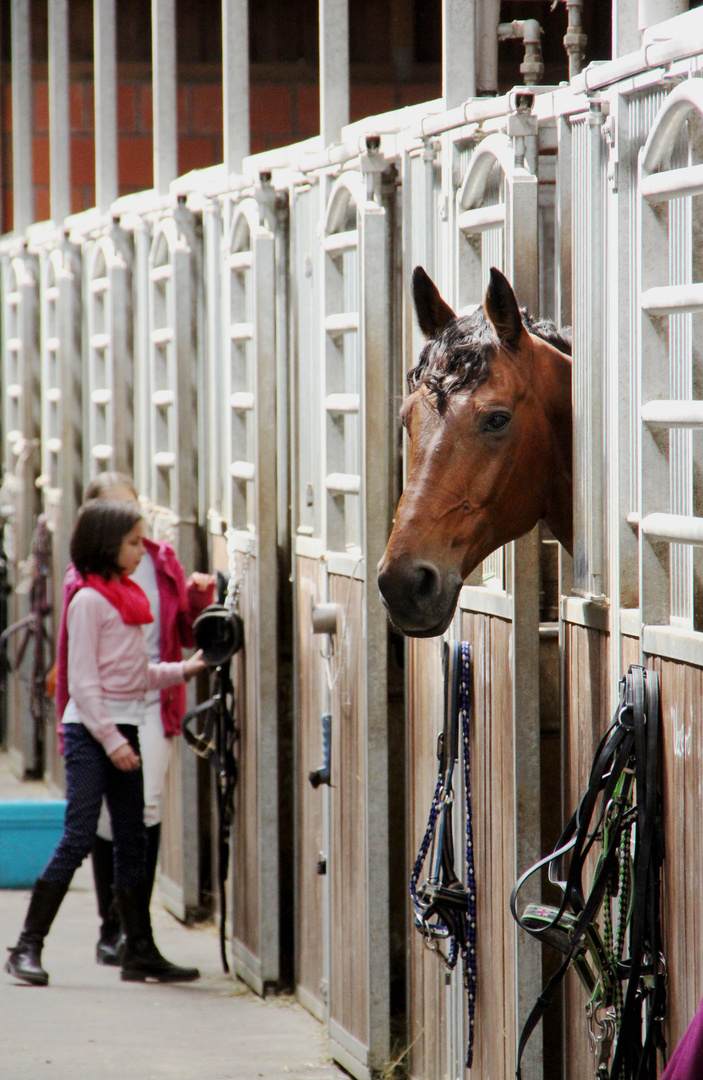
172, 366
61, 394
356, 362
343, 365
171, 411
250, 433
21, 433
589, 298
497, 224
669, 300
108, 386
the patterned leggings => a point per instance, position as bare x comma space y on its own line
90, 775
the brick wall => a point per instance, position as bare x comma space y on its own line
284, 108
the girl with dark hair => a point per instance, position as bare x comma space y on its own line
175, 603
108, 678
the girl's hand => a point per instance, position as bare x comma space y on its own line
124, 758
201, 581
195, 665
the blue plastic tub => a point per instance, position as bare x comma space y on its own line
30, 829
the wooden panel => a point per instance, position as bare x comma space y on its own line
493, 783
493, 807
170, 849
682, 772
309, 802
631, 654
348, 1000
586, 693
426, 993
245, 867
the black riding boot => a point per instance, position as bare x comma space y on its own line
141, 959
111, 940
153, 838
24, 961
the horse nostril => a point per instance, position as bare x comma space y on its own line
426, 581
409, 584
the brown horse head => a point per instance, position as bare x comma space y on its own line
488, 420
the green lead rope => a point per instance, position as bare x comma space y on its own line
626, 994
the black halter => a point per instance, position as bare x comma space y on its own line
445, 909
624, 779
214, 740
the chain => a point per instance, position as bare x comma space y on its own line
236, 584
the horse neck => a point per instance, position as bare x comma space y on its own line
554, 374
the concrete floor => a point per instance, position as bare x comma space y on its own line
88, 1025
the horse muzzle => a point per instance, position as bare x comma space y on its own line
420, 598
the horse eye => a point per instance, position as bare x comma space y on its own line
496, 422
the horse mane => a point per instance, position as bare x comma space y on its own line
459, 358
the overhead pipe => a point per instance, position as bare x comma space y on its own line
574, 39
529, 31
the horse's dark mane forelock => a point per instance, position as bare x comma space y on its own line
459, 357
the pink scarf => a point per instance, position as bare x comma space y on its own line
130, 600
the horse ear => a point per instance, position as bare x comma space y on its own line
502, 309
432, 312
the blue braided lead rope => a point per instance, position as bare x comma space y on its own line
470, 954
424, 848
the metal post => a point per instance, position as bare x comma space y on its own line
163, 54
105, 103
334, 69
458, 51
22, 120
235, 83
59, 131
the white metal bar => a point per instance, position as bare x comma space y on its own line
342, 403
99, 285
104, 37
235, 83
163, 398
242, 400
163, 54
458, 51
99, 341
673, 184
164, 459
162, 336
242, 470
338, 243
59, 130
673, 528
673, 299
343, 483
243, 331
22, 119
102, 452
160, 273
334, 69
102, 396
672, 414
482, 218
344, 322
240, 260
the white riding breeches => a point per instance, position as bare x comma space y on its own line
155, 750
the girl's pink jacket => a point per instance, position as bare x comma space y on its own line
180, 605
